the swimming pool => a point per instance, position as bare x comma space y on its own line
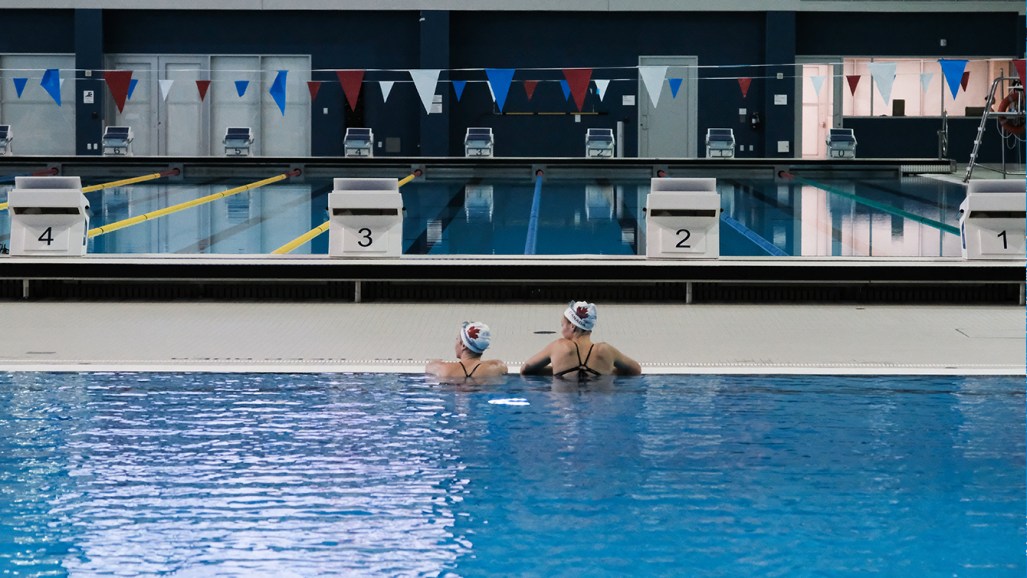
907, 217
308, 475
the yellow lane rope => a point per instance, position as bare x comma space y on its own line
186, 205
311, 234
131, 181
121, 183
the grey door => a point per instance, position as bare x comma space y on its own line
669, 128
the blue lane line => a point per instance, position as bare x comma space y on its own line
529, 243
748, 233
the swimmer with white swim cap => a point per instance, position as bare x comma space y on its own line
471, 343
574, 355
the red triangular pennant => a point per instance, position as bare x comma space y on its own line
577, 79
853, 81
1018, 64
529, 87
118, 82
351, 81
744, 83
313, 86
202, 86
964, 80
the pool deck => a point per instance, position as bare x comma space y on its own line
401, 337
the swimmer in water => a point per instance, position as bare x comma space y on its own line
574, 356
471, 343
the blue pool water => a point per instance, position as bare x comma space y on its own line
881, 218
326, 475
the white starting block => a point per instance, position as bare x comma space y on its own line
478, 203
365, 218
720, 143
841, 143
992, 219
117, 141
599, 143
6, 136
238, 141
358, 142
479, 142
683, 219
49, 217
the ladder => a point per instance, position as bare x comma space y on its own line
984, 122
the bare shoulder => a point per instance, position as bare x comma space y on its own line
496, 365
441, 368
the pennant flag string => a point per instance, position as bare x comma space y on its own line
675, 85
425, 80
458, 88
313, 86
51, 83
118, 82
577, 80
499, 83
277, 90
351, 81
386, 86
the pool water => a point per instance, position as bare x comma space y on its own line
909, 217
326, 475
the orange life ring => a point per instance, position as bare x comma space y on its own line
1013, 102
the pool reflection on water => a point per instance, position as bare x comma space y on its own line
760, 218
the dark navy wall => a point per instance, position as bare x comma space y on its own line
88, 57
557, 39
909, 34
375, 40
37, 31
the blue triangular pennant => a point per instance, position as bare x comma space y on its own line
499, 80
241, 86
566, 89
51, 83
953, 71
458, 88
277, 91
132, 87
675, 85
19, 85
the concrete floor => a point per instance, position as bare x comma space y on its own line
401, 337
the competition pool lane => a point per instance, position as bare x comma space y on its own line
323, 475
589, 216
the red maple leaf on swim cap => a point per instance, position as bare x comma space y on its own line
581, 312
472, 332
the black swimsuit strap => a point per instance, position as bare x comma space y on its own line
583, 369
468, 375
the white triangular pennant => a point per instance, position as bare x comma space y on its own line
425, 80
492, 92
925, 80
652, 78
62, 83
883, 74
818, 83
165, 88
386, 88
601, 86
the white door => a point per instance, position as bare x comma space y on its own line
819, 111
184, 120
669, 129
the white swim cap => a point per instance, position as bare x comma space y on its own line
582, 314
476, 336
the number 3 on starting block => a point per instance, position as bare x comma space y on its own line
364, 240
